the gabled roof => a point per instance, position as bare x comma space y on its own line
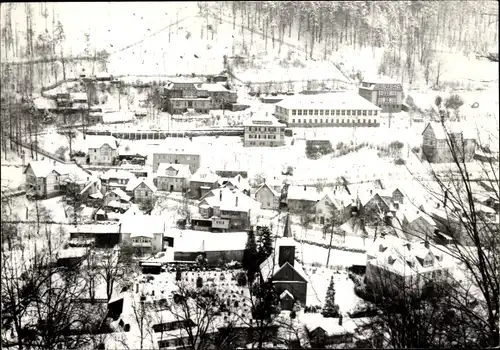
119, 193
258, 120
134, 183
270, 267
40, 168
142, 225
205, 175
94, 141
303, 193
182, 170
117, 174
440, 132
265, 185
286, 293
238, 181
228, 200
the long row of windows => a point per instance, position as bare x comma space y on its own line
333, 121
255, 128
327, 112
271, 137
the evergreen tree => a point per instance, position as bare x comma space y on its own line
265, 244
330, 309
250, 257
178, 275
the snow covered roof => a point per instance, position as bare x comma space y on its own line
227, 199
262, 120
141, 224
182, 170
440, 132
270, 266
199, 241
303, 193
123, 196
97, 141
97, 195
238, 181
381, 80
114, 204
117, 174
40, 168
336, 100
134, 183
205, 175
286, 293
44, 103
212, 87
265, 185
95, 229
72, 253
331, 326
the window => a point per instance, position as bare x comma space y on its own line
369, 112
310, 112
348, 112
293, 121
321, 121
321, 112
364, 121
299, 112
327, 112
145, 193
364, 112
310, 121
95, 150
315, 121
298, 121
375, 113
342, 121
337, 112
294, 112
359, 112
343, 112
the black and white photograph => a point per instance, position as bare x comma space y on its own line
212, 175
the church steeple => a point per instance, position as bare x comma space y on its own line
287, 232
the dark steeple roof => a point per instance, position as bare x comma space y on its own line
287, 232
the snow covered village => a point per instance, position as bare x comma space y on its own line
249, 175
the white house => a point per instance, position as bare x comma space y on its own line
268, 197
103, 150
172, 177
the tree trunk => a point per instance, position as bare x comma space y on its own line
300, 26
234, 14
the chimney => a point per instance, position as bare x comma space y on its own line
340, 320
371, 192
137, 287
120, 227
286, 255
426, 243
236, 205
305, 188
220, 196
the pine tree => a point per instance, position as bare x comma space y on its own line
330, 309
265, 243
250, 256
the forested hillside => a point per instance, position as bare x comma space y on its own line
412, 34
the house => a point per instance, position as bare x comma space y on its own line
263, 131
338, 109
144, 232
328, 331
285, 273
142, 190
101, 236
201, 182
439, 142
219, 247
378, 203
176, 151
397, 263
116, 178
181, 96
45, 179
331, 200
238, 182
415, 224
301, 198
268, 197
172, 177
228, 209
385, 93
231, 173
117, 199
103, 150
